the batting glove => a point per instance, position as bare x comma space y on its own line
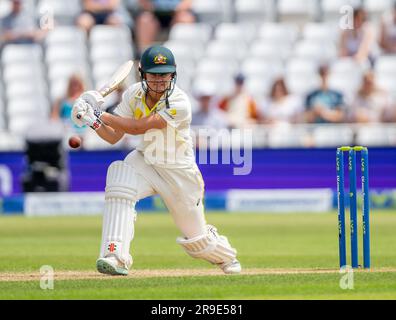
95, 100
79, 107
84, 113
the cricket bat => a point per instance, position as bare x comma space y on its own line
116, 79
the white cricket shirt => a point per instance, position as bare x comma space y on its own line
172, 146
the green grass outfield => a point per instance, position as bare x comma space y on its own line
284, 256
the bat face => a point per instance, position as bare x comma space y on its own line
117, 78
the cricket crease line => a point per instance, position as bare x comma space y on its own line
157, 273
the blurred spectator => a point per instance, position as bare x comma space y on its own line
281, 107
359, 41
62, 108
154, 16
19, 26
371, 103
387, 39
99, 12
208, 113
324, 105
240, 107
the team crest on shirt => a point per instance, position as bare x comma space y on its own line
170, 113
160, 59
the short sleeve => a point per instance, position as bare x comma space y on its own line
123, 109
177, 113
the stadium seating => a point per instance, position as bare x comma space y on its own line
298, 69
258, 86
27, 108
2, 117
191, 33
2, 105
323, 32
286, 135
185, 73
298, 11
373, 135
276, 33
109, 47
333, 9
391, 134
67, 35
262, 39
217, 68
14, 53
333, 135
387, 82
267, 51
255, 11
226, 50
220, 88
183, 51
265, 69
64, 12
345, 75
213, 11
240, 33
59, 74
66, 54
10, 141
22, 71
376, 8
385, 71
318, 51
5, 8
20, 126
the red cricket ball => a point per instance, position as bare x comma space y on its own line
75, 142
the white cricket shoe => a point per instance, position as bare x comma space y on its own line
232, 267
111, 265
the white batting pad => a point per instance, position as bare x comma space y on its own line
121, 182
119, 214
211, 247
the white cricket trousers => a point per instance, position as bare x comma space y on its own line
182, 191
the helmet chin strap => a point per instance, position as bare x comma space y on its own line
156, 91
167, 92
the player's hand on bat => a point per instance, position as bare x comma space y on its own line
83, 114
95, 100
80, 107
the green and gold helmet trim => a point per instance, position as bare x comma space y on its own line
157, 59
160, 59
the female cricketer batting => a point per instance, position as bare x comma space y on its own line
163, 163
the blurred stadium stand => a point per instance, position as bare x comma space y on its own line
330, 9
255, 11
263, 39
109, 48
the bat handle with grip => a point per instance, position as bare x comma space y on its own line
105, 91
